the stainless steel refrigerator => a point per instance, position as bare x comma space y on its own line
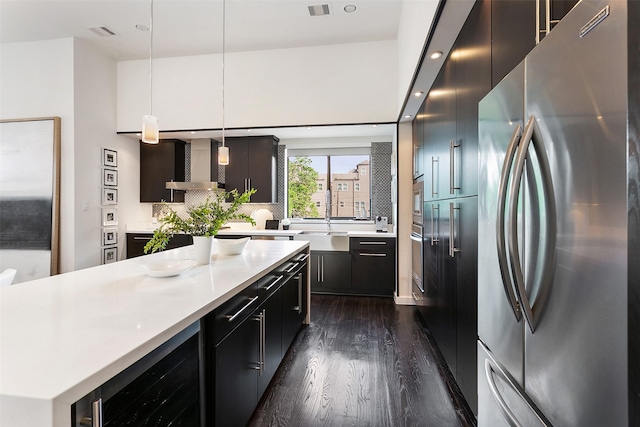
558, 228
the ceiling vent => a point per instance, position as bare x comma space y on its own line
319, 10
102, 31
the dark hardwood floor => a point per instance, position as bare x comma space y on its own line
363, 361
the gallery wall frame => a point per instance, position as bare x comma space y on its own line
109, 236
109, 196
109, 254
109, 158
30, 196
109, 177
109, 216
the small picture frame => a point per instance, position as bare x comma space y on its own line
109, 255
109, 236
109, 196
109, 177
109, 158
109, 216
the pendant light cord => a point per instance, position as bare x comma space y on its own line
223, 44
151, 59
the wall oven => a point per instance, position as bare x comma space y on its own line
417, 245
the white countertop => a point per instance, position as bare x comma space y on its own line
62, 336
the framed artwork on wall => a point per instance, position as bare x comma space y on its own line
109, 216
109, 196
109, 255
109, 177
109, 157
109, 236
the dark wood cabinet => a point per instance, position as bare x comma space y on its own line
136, 242
373, 265
159, 164
330, 272
418, 143
294, 306
253, 163
272, 316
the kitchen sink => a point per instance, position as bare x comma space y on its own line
323, 240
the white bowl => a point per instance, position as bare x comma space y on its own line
231, 246
166, 268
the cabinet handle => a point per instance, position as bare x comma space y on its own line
373, 243
260, 319
452, 243
415, 161
231, 318
368, 254
95, 420
322, 277
434, 240
146, 239
303, 258
434, 159
289, 270
318, 275
452, 166
273, 283
298, 308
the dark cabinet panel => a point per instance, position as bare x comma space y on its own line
161, 163
418, 143
253, 164
294, 307
271, 311
236, 364
330, 272
465, 242
373, 266
136, 242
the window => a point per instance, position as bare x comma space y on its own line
363, 170
312, 171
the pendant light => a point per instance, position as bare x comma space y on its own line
223, 152
150, 127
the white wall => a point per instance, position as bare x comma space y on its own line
415, 22
36, 80
405, 192
95, 105
347, 83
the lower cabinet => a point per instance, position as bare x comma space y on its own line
373, 266
330, 272
136, 242
294, 307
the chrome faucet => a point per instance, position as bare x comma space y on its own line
327, 202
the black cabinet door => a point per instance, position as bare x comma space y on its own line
330, 272
271, 311
473, 82
253, 164
465, 239
236, 370
373, 266
513, 35
293, 308
136, 242
159, 164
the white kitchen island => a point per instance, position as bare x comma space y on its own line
63, 336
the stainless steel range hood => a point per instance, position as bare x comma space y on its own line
203, 162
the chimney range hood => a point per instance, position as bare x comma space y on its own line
203, 159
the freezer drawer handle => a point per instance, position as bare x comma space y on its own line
507, 281
532, 136
488, 370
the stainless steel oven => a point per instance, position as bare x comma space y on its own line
416, 204
416, 261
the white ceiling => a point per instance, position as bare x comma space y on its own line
194, 27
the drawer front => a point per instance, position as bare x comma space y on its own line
374, 244
230, 314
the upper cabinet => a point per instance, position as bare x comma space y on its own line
253, 163
418, 146
161, 163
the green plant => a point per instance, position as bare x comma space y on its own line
205, 219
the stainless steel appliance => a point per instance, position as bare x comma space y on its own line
417, 244
559, 228
382, 224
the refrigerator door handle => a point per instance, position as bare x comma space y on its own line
504, 408
532, 135
507, 281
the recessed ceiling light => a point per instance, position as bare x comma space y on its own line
408, 116
375, 126
138, 134
248, 130
308, 127
418, 93
435, 55
102, 31
142, 27
193, 133
350, 8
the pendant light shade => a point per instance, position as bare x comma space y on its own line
150, 130
223, 155
150, 127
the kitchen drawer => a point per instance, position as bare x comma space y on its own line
377, 244
230, 314
136, 242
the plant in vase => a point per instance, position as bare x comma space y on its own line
202, 222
